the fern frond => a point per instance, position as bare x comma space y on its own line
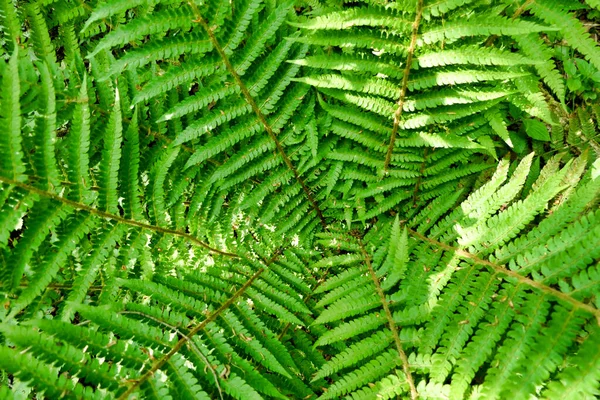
355, 353
74, 229
10, 120
483, 26
111, 156
583, 384
317, 199
571, 28
161, 21
369, 372
45, 162
46, 377
79, 144
533, 47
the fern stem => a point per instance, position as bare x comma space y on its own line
522, 9
159, 363
189, 343
515, 275
405, 366
404, 88
116, 218
256, 109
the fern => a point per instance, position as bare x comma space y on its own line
253, 199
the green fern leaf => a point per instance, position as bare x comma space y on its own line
10, 120
160, 22
79, 138
484, 25
111, 156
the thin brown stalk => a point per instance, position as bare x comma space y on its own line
392, 324
246, 93
398, 113
184, 340
116, 218
501, 269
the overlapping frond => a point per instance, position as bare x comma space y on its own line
469, 291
